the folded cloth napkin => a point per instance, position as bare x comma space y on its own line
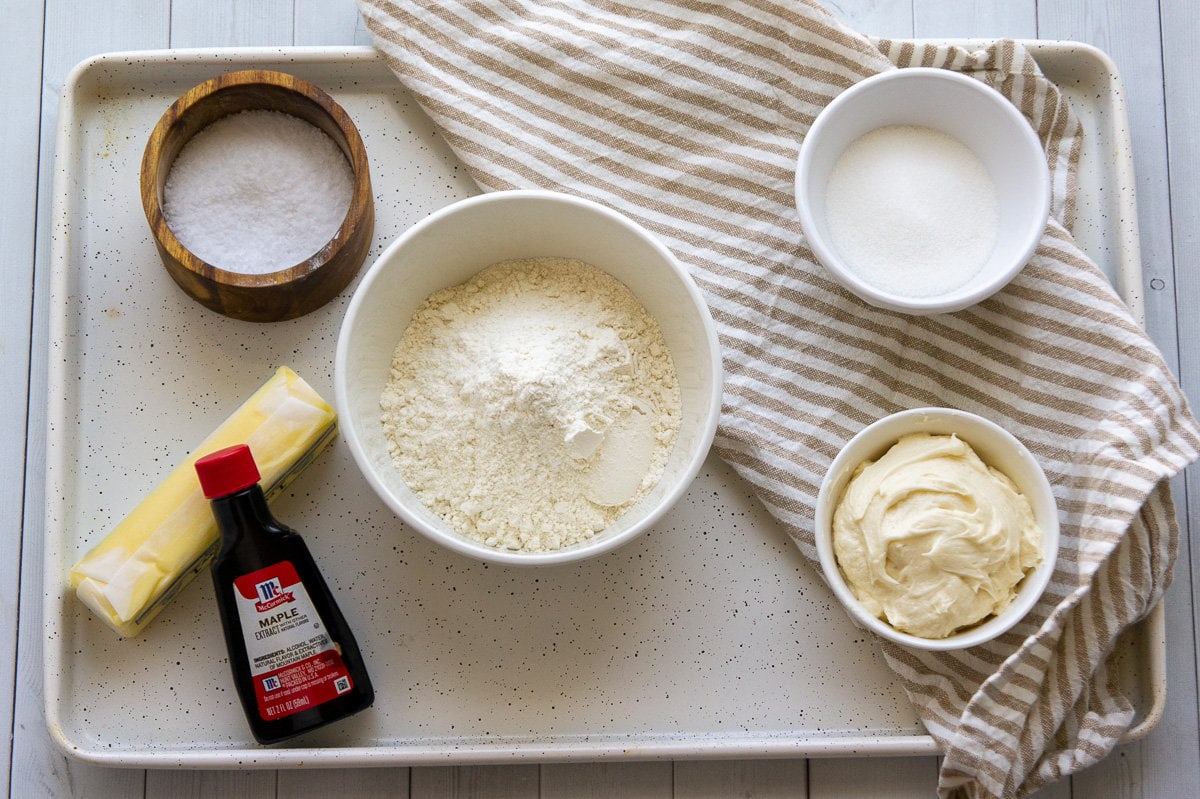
688, 117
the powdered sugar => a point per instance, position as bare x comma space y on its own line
257, 191
530, 406
912, 210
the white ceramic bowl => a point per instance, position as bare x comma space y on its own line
452, 245
997, 448
962, 107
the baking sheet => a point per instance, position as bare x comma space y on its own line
707, 637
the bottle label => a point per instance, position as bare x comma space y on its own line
293, 662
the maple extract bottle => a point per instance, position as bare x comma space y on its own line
295, 662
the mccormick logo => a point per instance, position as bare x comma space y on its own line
271, 595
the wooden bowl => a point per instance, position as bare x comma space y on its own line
289, 292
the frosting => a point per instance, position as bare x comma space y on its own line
931, 539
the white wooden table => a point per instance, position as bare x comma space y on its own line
40, 40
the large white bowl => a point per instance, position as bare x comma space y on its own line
997, 448
451, 246
962, 107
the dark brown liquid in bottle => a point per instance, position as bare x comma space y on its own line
255, 549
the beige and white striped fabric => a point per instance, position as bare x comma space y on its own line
687, 117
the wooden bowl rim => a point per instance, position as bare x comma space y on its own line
357, 213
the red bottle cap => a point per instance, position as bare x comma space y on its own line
227, 471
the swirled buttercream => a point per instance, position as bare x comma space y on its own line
931, 539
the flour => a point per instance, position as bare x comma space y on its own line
912, 210
532, 405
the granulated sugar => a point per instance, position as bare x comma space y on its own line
912, 210
257, 191
532, 405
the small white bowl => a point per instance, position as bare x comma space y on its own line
997, 448
452, 245
962, 107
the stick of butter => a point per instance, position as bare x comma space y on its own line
172, 536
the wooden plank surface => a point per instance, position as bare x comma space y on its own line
1151, 44
1176, 289
20, 84
72, 33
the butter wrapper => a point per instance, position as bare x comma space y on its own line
171, 535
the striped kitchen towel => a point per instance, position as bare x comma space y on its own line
688, 117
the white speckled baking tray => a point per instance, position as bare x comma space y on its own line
708, 637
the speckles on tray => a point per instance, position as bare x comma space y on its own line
710, 624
